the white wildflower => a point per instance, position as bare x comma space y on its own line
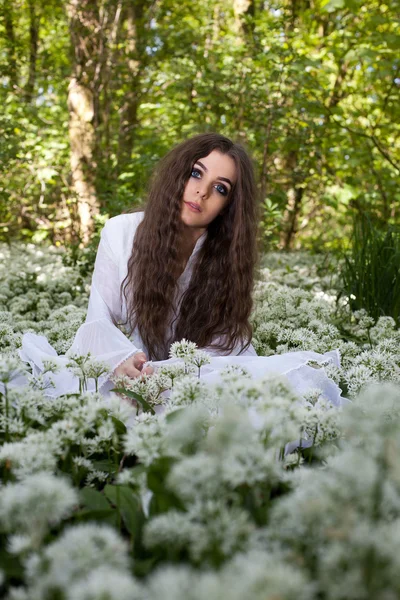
145, 438
73, 556
173, 371
199, 359
149, 387
10, 368
254, 575
357, 378
50, 366
234, 369
105, 583
35, 504
187, 390
38, 451
206, 526
183, 349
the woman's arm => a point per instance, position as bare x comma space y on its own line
98, 335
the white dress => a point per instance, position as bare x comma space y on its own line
105, 341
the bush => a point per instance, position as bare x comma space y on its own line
370, 272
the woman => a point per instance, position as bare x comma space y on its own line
182, 268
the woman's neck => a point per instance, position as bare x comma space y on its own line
189, 240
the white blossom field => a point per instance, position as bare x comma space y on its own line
236, 490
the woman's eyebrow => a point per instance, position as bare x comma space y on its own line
221, 178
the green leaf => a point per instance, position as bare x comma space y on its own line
172, 416
137, 471
120, 427
127, 504
109, 516
105, 465
10, 564
144, 404
331, 5
93, 500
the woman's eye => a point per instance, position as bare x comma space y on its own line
219, 187
222, 189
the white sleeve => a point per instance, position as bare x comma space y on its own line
98, 335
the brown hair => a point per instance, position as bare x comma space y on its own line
218, 299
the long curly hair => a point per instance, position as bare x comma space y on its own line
214, 310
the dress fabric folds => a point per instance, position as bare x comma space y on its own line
105, 341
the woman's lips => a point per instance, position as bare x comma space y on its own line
194, 207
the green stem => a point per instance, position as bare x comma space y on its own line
313, 444
300, 447
7, 423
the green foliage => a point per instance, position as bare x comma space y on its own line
313, 93
98, 498
82, 258
371, 270
270, 221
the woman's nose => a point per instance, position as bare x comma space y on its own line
202, 192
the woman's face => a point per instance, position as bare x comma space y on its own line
208, 189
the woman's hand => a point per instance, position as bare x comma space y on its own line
133, 366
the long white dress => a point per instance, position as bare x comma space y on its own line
105, 341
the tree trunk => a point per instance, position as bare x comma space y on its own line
86, 40
290, 218
33, 49
129, 109
81, 135
11, 44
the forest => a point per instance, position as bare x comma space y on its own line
267, 477
95, 92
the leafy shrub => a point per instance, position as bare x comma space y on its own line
371, 271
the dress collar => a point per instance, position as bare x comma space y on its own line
199, 243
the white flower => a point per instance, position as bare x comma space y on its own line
254, 575
187, 390
199, 358
186, 429
206, 526
172, 371
51, 366
358, 377
73, 556
36, 452
234, 369
97, 368
183, 349
104, 583
81, 461
10, 368
36, 503
145, 438
149, 387
312, 395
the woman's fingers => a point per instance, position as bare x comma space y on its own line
127, 368
139, 359
148, 370
132, 372
133, 366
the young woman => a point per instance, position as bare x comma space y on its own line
181, 268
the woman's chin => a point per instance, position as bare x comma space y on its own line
191, 219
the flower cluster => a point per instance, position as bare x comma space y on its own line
217, 486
